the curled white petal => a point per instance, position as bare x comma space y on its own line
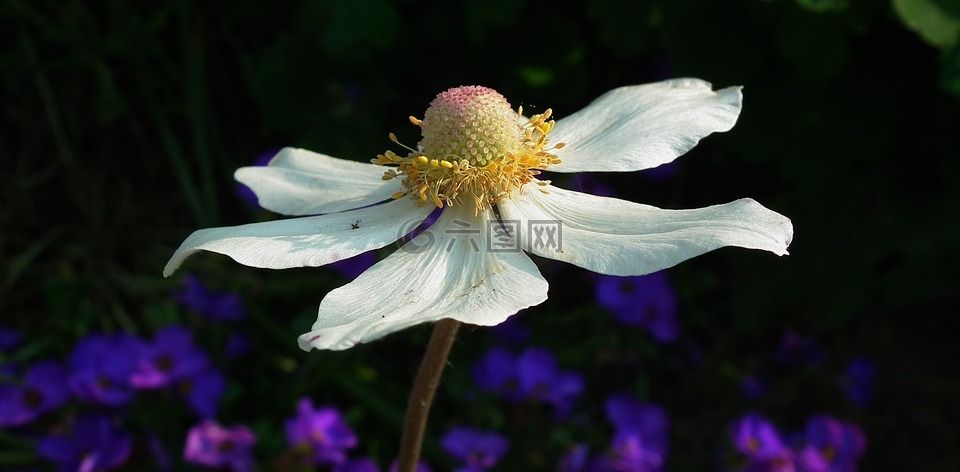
309, 241
617, 237
439, 274
300, 182
643, 126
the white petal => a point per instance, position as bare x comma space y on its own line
643, 126
439, 274
299, 182
617, 237
306, 242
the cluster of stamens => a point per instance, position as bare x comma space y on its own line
475, 149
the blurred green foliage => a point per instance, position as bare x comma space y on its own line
123, 122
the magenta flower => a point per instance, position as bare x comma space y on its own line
213, 445
832, 445
758, 439
95, 445
44, 388
320, 432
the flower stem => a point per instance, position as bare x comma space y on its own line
428, 378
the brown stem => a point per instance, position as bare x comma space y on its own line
428, 378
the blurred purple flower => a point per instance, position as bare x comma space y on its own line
101, 367
757, 439
541, 379
220, 306
170, 358
363, 464
94, 446
354, 266
496, 372
858, 381
832, 445
44, 388
479, 450
797, 349
640, 434
645, 301
9, 339
203, 391
243, 191
533, 375
213, 445
322, 433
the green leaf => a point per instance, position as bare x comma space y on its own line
930, 20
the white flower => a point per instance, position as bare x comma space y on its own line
478, 156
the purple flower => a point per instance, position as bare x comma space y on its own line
479, 450
757, 439
220, 306
496, 372
832, 445
44, 388
95, 445
354, 266
640, 434
203, 391
363, 464
213, 445
320, 432
533, 375
170, 358
645, 301
101, 367
541, 379
858, 381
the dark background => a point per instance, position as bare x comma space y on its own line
122, 123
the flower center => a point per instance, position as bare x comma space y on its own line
474, 150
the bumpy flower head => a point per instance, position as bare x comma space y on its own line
474, 150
